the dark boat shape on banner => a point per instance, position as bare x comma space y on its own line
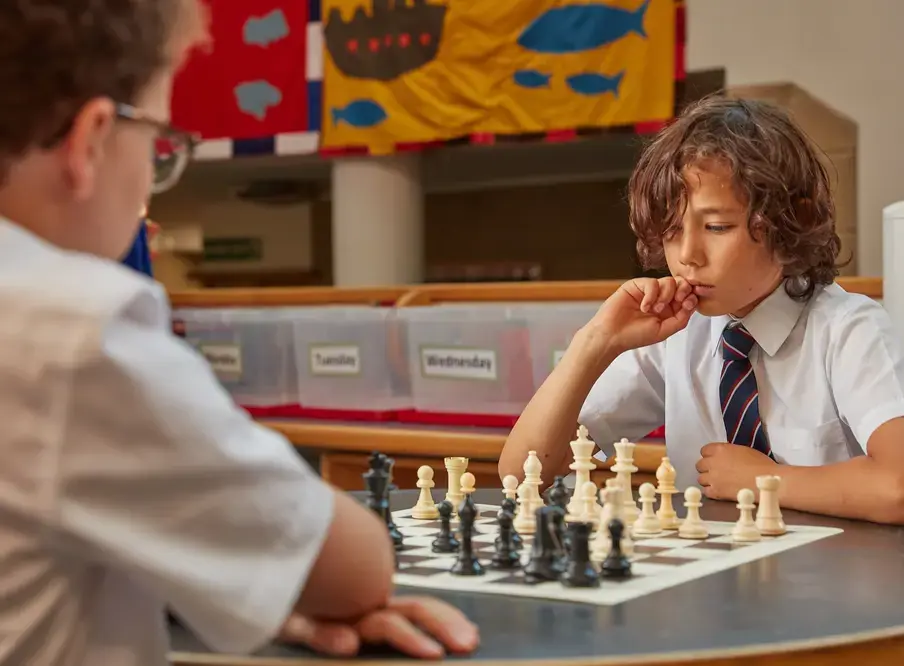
394, 39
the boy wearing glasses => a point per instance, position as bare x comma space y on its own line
129, 482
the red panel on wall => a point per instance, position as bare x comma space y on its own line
251, 81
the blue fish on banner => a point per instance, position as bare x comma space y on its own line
256, 97
531, 78
575, 28
595, 84
360, 113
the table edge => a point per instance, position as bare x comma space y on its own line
890, 639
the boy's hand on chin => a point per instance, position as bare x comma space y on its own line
724, 469
644, 311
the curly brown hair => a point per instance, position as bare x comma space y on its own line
56, 55
777, 173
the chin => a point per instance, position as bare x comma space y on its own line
710, 307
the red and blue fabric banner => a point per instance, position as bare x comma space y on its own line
252, 80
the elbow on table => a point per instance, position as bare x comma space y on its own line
891, 509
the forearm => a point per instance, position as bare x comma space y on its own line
548, 421
353, 575
858, 489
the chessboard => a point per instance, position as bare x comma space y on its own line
657, 562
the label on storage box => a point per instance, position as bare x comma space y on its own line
224, 360
458, 363
333, 360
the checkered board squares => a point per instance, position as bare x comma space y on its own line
656, 564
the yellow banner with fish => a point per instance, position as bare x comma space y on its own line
416, 71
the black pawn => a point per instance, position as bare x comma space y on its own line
579, 571
505, 555
445, 541
510, 506
616, 565
557, 494
466, 564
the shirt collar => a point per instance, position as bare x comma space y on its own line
770, 323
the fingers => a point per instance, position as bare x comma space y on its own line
683, 290
650, 289
394, 629
703, 465
333, 639
445, 622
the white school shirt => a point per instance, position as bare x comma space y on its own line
829, 372
129, 482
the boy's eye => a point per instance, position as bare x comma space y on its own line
718, 228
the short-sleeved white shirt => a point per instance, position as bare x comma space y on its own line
829, 372
129, 481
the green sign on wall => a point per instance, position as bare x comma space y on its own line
233, 249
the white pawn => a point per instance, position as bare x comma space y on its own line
510, 487
589, 507
693, 527
648, 522
745, 530
425, 509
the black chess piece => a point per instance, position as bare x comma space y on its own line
505, 555
616, 565
466, 564
509, 505
445, 541
379, 481
579, 570
545, 561
557, 494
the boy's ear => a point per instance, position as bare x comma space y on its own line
84, 148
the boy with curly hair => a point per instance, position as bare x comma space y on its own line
749, 353
130, 483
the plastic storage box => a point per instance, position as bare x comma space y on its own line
351, 362
470, 364
551, 327
249, 350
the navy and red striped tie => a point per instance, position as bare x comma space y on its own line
738, 392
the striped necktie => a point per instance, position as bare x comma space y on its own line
738, 391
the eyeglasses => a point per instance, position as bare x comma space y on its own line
173, 148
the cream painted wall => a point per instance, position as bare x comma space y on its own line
848, 53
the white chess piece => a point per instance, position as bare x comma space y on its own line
599, 547
693, 527
425, 509
467, 486
665, 477
589, 508
510, 487
455, 467
624, 467
745, 530
525, 518
769, 515
582, 450
648, 522
529, 497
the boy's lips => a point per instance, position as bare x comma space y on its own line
701, 288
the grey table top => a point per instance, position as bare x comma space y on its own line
845, 589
